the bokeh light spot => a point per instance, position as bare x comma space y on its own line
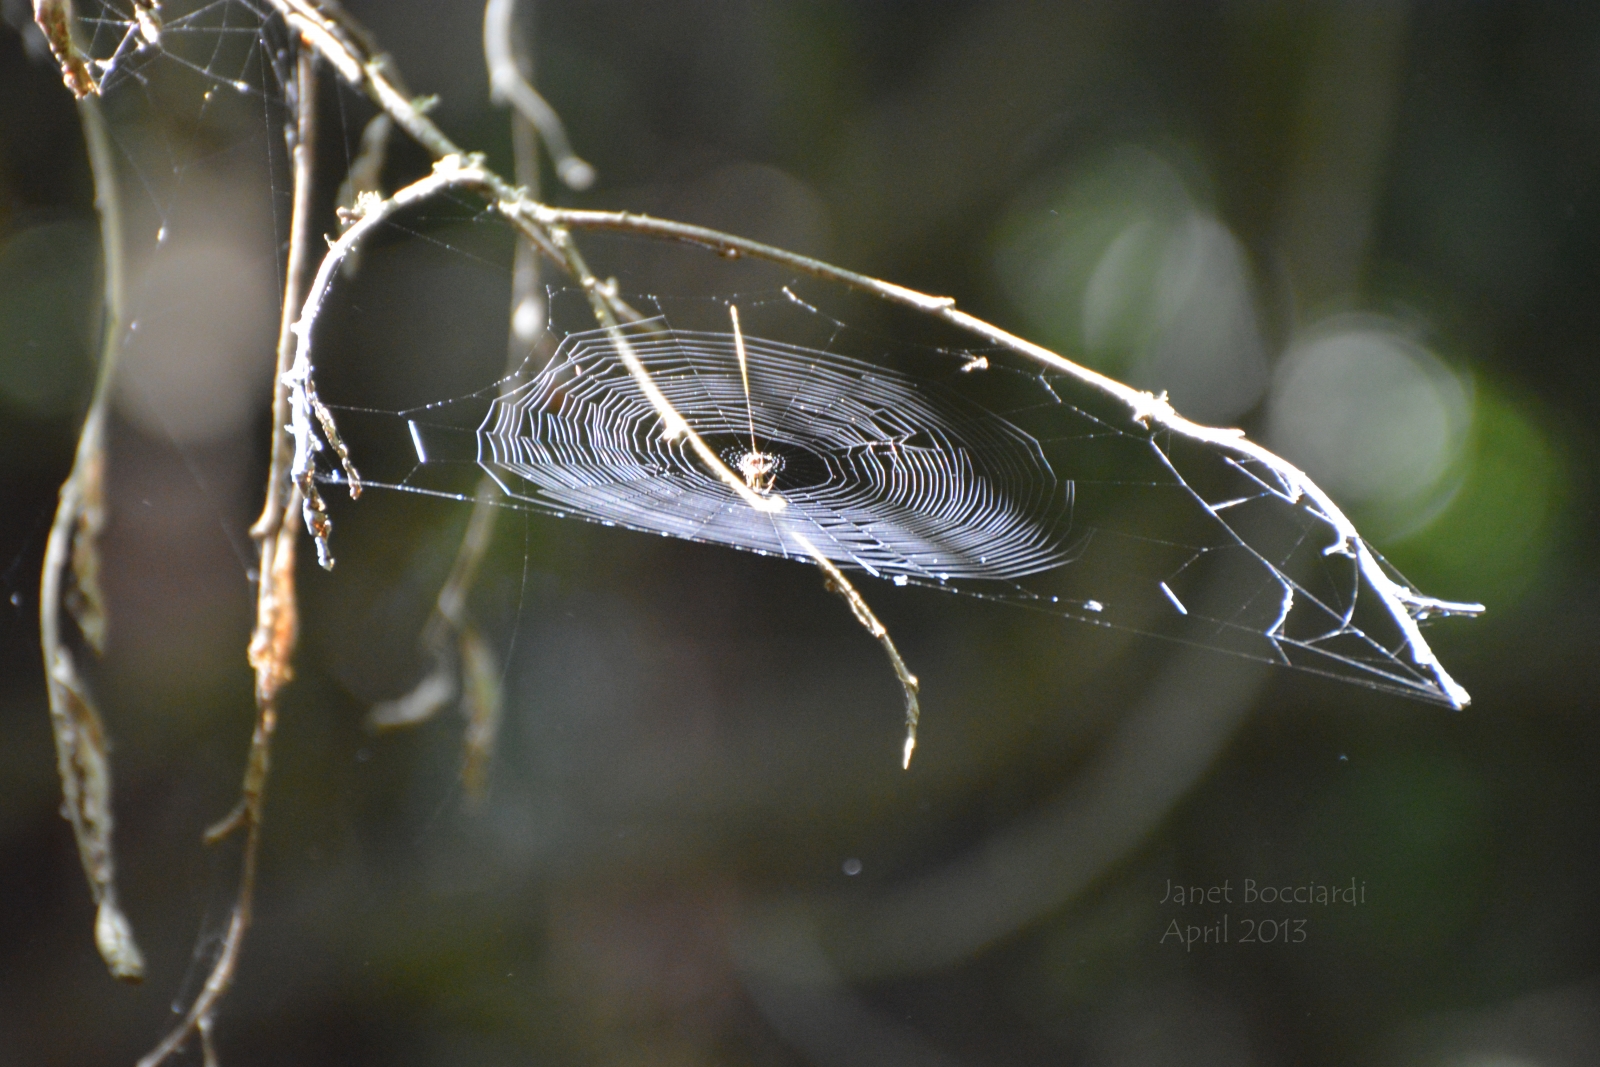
1374, 417
1119, 266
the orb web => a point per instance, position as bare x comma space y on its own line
968, 470
965, 470
895, 477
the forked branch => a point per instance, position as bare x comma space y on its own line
55, 19
306, 412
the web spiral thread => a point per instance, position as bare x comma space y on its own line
881, 473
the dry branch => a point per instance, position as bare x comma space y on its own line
82, 748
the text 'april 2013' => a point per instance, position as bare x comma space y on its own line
1227, 928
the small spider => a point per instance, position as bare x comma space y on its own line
760, 470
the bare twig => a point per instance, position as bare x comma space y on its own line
528, 313
55, 18
838, 583
759, 471
305, 410
1404, 605
510, 84
277, 622
271, 647
208, 1048
82, 749
332, 33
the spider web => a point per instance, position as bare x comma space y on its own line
945, 468
224, 43
948, 468
203, 93
892, 478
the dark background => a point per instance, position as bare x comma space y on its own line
699, 745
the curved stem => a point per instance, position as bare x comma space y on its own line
82, 754
837, 583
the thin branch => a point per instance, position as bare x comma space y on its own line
54, 18
838, 583
528, 313
277, 622
1405, 605
208, 1048
305, 409
759, 474
333, 34
271, 661
268, 523
364, 175
509, 83
82, 749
